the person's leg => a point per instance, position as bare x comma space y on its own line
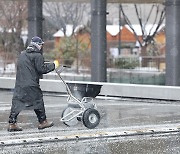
41, 115
15, 110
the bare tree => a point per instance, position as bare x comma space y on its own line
66, 13
63, 14
13, 15
147, 36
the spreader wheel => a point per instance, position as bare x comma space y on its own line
65, 117
91, 118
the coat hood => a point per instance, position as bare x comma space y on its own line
32, 48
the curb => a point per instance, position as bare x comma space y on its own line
89, 134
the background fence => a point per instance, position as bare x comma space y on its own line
121, 70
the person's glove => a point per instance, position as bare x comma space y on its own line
56, 63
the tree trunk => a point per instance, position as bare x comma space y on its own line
144, 56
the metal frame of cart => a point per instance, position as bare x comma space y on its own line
81, 106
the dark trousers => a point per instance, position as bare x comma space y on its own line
18, 106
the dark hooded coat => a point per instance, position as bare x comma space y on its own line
30, 67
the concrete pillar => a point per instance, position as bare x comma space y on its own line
98, 40
35, 18
172, 42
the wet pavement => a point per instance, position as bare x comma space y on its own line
117, 115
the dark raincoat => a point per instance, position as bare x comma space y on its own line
30, 67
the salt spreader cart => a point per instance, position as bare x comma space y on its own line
80, 103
